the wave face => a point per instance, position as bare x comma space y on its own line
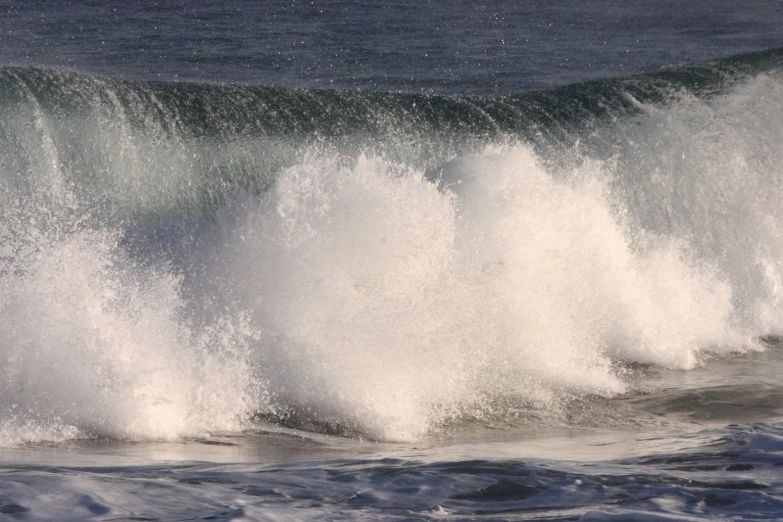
178, 258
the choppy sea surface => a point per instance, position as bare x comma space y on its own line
396, 260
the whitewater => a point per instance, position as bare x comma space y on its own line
232, 301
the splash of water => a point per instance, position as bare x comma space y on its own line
365, 292
399, 302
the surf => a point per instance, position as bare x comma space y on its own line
178, 258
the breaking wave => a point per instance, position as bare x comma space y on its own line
182, 258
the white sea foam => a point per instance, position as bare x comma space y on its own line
366, 294
358, 293
396, 301
92, 345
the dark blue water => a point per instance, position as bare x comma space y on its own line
427, 46
403, 260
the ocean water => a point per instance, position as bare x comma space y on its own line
395, 260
